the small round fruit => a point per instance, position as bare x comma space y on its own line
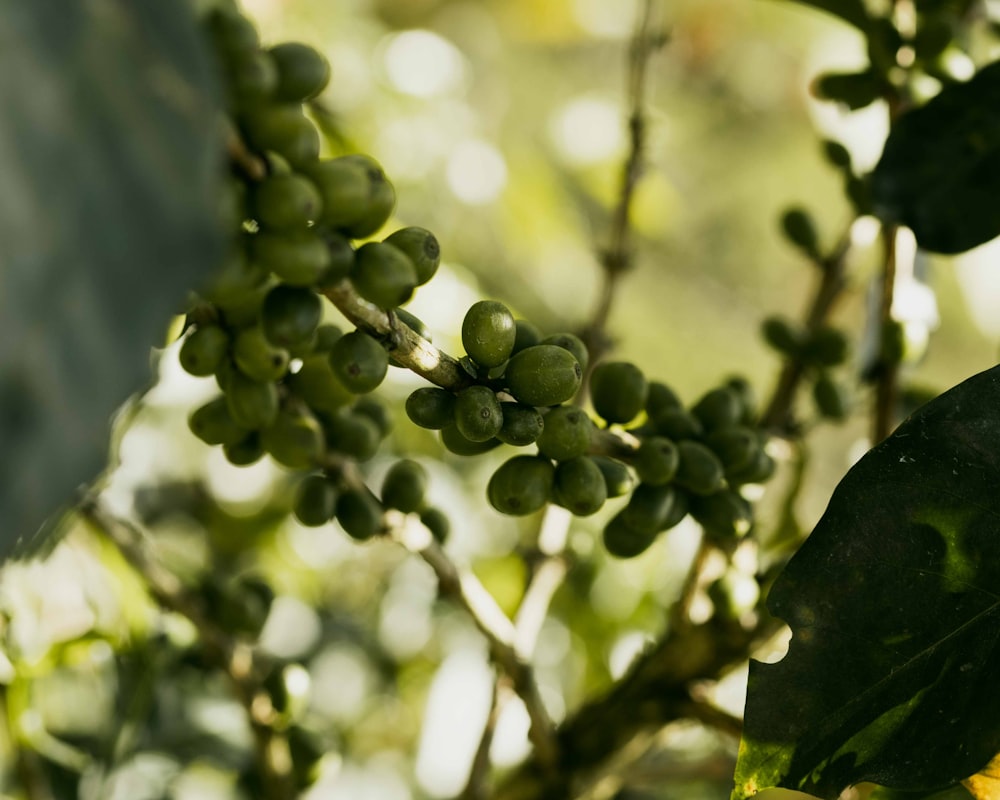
326, 336
344, 188
830, 397
383, 275
783, 335
290, 314
437, 523
571, 342
699, 470
285, 202
404, 486
303, 72
252, 79
431, 407
351, 434
359, 361
718, 408
317, 385
488, 333
204, 349
295, 439
725, 514
341, 259
825, 347
618, 391
231, 32
421, 247
623, 541
478, 415
522, 425
736, 447
299, 258
316, 500
379, 203
579, 486
566, 434
455, 442
376, 411
214, 425
257, 358
359, 514
798, 226
748, 398
521, 485
656, 461
543, 375
285, 130
676, 424
252, 404
618, 478
650, 507
244, 453
661, 397
758, 471
235, 281
526, 335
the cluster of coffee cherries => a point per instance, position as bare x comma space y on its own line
675, 461
292, 385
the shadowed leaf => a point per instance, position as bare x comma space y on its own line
891, 676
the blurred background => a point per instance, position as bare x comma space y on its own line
502, 124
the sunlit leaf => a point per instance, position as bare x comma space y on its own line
985, 784
891, 676
940, 171
110, 159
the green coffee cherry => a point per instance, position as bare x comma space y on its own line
298, 258
204, 349
676, 424
380, 202
618, 391
245, 452
252, 404
656, 461
659, 398
543, 375
376, 411
285, 202
455, 442
404, 486
257, 358
352, 434
231, 32
252, 79
302, 72
718, 408
830, 397
478, 416
359, 362
736, 447
214, 425
837, 154
521, 485
344, 189
623, 541
618, 479
326, 336
383, 275
783, 335
421, 247
317, 384
431, 407
566, 434
825, 347
437, 523
359, 514
235, 282
798, 226
488, 333
290, 315
699, 470
525, 335
571, 342
747, 397
316, 500
242, 606
412, 322
650, 507
295, 439
285, 130
522, 425
759, 470
579, 486
725, 514
341, 259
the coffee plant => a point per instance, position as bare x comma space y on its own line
173, 160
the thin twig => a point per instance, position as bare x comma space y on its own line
475, 787
887, 373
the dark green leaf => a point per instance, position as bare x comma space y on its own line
940, 170
111, 161
851, 11
892, 672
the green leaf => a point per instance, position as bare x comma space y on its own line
892, 672
852, 12
111, 164
940, 171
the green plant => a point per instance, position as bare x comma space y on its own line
890, 673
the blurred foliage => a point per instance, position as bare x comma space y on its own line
502, 125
